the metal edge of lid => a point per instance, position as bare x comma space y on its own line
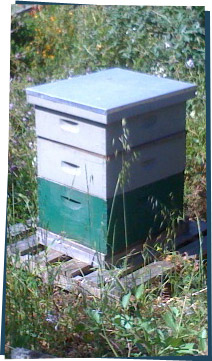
188, 93
185, 94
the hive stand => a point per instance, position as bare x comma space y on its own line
56, 266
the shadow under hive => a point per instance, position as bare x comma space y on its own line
92, 128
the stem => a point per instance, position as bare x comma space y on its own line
200, 251
181, 316
108, 341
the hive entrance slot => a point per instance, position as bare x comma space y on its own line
69, 125
72, 203
70, 168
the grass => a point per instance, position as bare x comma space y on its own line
163, 317
168, 315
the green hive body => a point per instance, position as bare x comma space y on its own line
86, 218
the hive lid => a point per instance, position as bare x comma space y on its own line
108, 95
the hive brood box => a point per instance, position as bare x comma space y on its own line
89, 129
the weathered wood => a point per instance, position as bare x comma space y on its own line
24, 246
185, 233
102, 282
141, 276
193, 248
16, 229
102, 276
193, 231
19, 228
95, 283
69, 273
16, 10
35, 263
70, 248
72, 274
47, 257
73, 268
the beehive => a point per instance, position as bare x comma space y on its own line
111, 155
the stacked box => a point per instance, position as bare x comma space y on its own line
111, 157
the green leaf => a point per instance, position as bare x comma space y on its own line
146, 326
95, 315
175, 311
127, 322
117, 320
203, 333
139, 292
161, 335
79, 327
170, 321
203, 343
125, 300
174, 342
186, 349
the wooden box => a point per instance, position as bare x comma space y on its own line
110, 145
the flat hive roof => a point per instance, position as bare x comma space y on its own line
112, 90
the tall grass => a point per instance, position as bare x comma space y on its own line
145, 320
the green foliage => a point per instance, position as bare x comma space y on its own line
141, 323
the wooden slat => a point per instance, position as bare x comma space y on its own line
193, 248
96, 282
74, 267
70, 247
141, 276
35, 263
191, 234
184, 231
114, 286
14, 230
47, 256
24, 246
70, 274
63, 273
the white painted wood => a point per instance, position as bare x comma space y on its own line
70, 130
97, 176
70, 248
65, 108
146, 127
155, 161
105, 140
71, 167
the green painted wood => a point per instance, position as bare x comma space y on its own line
147, 211
71, 213
101, 224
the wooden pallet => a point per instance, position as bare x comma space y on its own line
56, 267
